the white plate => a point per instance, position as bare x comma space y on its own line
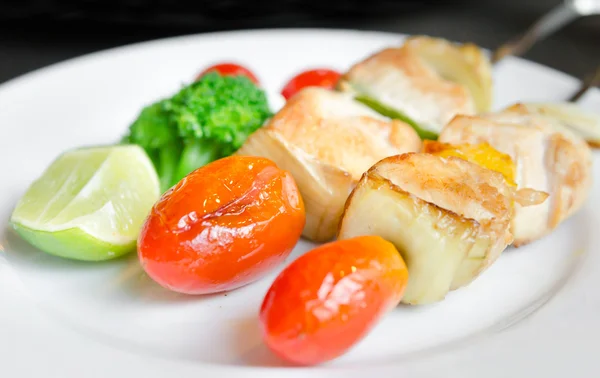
67, 319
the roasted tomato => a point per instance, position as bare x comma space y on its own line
331, 297
324, 78
223, 226
230, 69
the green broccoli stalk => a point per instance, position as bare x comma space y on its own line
205, 121
196, 153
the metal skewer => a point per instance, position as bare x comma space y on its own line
551, 22
545, 26
589, 82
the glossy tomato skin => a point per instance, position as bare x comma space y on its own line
223, 226
230, 69
324, 78
330, 298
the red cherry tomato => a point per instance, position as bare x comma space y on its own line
331, 297
324, 78
223, 226
230, 69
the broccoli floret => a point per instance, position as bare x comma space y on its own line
158, 136
205, 121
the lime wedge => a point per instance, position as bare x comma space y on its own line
90, 204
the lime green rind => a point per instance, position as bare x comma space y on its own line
396, 114
73, 244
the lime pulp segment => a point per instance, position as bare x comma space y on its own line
90, 203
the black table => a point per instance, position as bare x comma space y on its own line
27, 45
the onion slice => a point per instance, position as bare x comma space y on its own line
583, 123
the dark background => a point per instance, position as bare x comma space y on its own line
35, 33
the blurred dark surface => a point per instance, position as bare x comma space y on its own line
35, 33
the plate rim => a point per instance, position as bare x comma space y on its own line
155, 42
